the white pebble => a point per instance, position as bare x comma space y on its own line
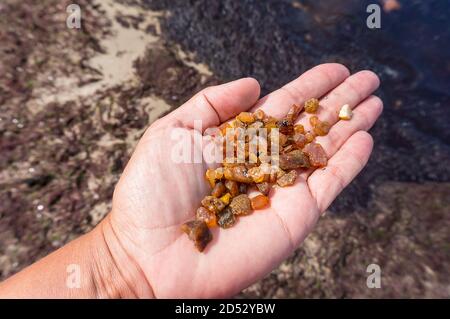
346, 112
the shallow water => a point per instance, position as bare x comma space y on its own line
274, 41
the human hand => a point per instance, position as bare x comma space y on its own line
156, 195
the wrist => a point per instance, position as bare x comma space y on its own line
114, 273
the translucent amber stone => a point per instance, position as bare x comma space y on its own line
314, 120
322, 128
246, 117
287, 179
198, 232
299, 129
206, 216
316, 154
311, 105
259, 202
218, 190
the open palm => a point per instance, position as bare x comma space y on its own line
155, 195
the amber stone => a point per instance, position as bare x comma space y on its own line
259, 115
287, 179
241, 205
288, 149
309, 137
311, 105
299, 129
259, 202
213, 204
246, 117
293, 160
226, 198
206, 216
294, 111
258, 174
237, 174
300, 140
269, 120
314, 120
218, 189
316, 154
198, 232
210, 176
280, 173
237, 123
232, 187
322, 128
226, 218
282, 139
263, 187
285, 126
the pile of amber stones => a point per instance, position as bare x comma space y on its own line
290, 147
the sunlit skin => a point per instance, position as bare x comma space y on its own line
154, 196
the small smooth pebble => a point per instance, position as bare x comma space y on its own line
346, 112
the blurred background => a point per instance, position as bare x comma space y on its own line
74, 103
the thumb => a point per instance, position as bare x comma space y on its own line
217, 104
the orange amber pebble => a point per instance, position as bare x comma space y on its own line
257, 174
300, 140
218, 190
264, 187
299, 129
293, 160
287, 179
213, 204
286, 126
210, 176
311, 105
294, 111
259, 115
237, 174
322, 128
314, 120
282, 139
316, 154
206, 216
233, 187
269, 119
198, 232
259, 202
309, 137
246, 117
218, 173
